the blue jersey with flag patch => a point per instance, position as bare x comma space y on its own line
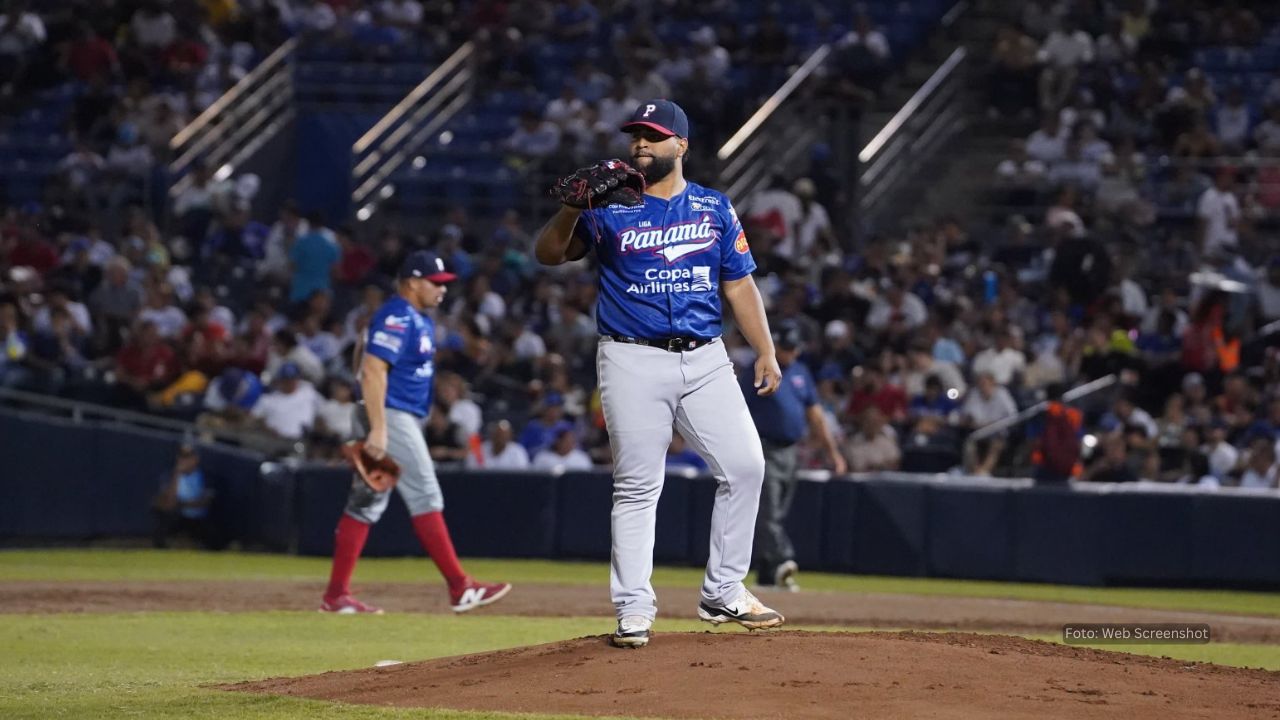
405, 339
661, 263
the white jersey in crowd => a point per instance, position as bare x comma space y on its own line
1220, 211
512, 457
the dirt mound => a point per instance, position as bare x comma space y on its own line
807, 675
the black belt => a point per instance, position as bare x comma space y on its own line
675, 344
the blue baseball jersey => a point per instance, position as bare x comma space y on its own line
781, 417
661, 263
405, 339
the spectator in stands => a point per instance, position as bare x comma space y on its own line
499, 452
777, 209
534, 140
145, 364
1113, 464
873, 389
563, 454
1057, 439
21, 32
897, 312
313, 259
335, 412
681, 457
537, 434
453, 396
1223, 456
289, 226
934, 400
1011, 79
1218, 213
128, 166
313, 17
162, 312
987, 402
1260, 468
229, 399
1063, 53
285, 349
59, 352
874, 447
1233, 121
288, 412
183, 503
115, 302
576, 20
401, 14
15, 346
153, 27
923, 365
1267, 292
1004, 362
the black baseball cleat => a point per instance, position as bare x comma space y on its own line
747, 611
632, 632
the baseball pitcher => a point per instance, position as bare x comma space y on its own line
667, 250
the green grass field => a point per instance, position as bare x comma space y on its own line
156, 665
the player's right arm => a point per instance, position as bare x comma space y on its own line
557, 243
373, 385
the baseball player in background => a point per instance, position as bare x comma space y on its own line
396, 374
666, 255
782, 419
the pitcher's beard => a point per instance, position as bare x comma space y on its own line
658, 168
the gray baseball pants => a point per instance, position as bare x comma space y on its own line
418, 485
644, 390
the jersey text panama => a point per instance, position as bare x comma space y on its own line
662, 263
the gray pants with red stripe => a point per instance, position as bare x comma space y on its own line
644, 391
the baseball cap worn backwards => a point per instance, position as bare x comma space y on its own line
662, 115
425, 264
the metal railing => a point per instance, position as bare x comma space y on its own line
1073, 395
405, 129
932, 116
78, 412
782, 129
239, 122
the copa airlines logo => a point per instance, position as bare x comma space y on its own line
674, 280
672, 242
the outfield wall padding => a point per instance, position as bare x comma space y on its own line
64, 480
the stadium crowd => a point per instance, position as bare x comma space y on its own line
915, 338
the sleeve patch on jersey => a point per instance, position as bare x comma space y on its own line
741, 243
388, 342
397, 324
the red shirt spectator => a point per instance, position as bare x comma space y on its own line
890, 399
145, 362
90, 56
34, 252
184, 56
357, 260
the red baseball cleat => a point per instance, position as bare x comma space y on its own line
476, 594
348, 605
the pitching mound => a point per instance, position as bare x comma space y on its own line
808, 675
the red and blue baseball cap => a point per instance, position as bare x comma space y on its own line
662, 115
425, 264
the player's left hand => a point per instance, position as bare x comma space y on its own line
768, 375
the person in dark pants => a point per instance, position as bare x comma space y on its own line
182, 506
782, 420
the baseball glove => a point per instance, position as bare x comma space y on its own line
380, 474
611, 182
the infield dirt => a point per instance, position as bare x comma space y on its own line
807, 675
